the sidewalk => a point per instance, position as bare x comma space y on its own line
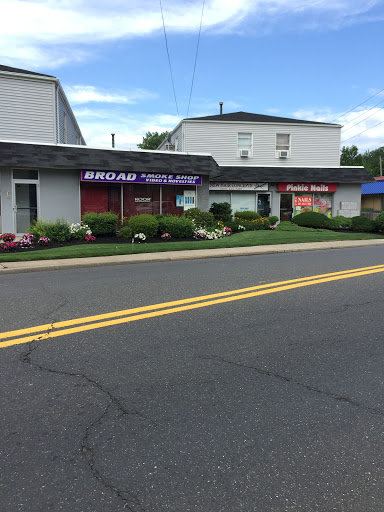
38, 266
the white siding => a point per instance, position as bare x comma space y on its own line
73, 134
311, 145
27, 110
177, 135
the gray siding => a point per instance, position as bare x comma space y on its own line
178, 135
311, 145
27, 110
60, 195
73, 134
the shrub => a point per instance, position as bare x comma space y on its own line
201, 219
101, 223
58, 231
143, 223
124, 232
247, 215
162, 220
177, 227
273, 219
221, 211
342, 222
331, 223
290, 226
379, 222
362, 224
311, 220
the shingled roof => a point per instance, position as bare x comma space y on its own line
14, 154
253, 118
293, 174
23, 71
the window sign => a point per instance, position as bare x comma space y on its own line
179, 200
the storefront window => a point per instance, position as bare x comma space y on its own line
141, 199
323, 203
303, 202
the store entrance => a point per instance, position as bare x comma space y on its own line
286, 207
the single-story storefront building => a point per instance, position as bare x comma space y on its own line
51, 181
372, 195
288, 191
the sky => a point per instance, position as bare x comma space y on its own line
319, 60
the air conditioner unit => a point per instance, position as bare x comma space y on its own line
283, 153
244, 152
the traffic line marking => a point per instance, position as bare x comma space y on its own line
166, 308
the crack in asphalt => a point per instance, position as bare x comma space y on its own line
131, 501
291, 380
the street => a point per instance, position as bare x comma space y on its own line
248, 383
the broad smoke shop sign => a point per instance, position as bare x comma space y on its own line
307, 187
140, 177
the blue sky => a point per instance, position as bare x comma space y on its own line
307, 59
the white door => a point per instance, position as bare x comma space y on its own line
189, 199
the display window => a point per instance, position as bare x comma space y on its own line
323, 203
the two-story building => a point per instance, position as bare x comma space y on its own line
34, 108
273, 165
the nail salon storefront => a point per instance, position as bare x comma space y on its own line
286, 191
60, 181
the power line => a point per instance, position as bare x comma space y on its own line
348, 111
345, 140
365, 118
169, 61
364, 112
197, 51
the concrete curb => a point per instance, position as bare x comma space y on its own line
43, 265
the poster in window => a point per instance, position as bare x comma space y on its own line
179, 200
323, 203
303, 202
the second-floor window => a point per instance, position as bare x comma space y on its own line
244, 144
283, 144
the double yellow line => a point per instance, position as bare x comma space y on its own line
48, 331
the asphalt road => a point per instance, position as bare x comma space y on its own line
269, 403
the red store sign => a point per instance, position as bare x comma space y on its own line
307, 187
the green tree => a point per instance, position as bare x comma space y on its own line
152, 140
371, 160
350, 156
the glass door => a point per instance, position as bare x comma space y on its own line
264, 204
25, 206
286, 207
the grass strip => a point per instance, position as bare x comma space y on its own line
246, 239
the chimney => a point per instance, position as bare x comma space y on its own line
221, 107
113, 140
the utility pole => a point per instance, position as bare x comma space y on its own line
381, 167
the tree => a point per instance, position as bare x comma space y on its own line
371, 160
152, 140
350, 156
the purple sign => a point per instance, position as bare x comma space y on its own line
140, 177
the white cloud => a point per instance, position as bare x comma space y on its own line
51, 33
129, 131
363, 128
78, 94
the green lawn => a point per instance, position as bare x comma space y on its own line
245, 239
